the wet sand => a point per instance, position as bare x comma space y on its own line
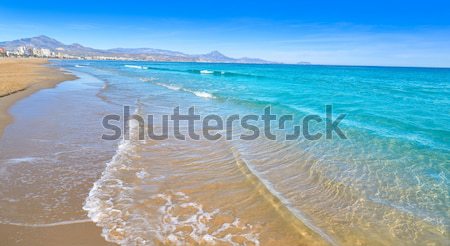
47, 171
74, 234
20, 78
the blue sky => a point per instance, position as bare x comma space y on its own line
393, 33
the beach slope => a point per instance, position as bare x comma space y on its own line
22, 77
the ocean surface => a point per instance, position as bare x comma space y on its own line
386, 183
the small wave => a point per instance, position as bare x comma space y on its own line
97, 206
136, 67
170, 87
200, 93
80, 65
221, 73
179, 88
177, 218
206, 72
165, 69
277, 199
196, 71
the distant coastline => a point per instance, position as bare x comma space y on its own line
46, 47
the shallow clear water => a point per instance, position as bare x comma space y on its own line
387, 183
52, 153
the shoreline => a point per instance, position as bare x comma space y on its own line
33, 75
26, 77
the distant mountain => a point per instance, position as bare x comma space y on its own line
53, 45
131, 53
137, 51
253, 60
40, 41
215, 56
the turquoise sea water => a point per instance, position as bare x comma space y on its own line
388, 182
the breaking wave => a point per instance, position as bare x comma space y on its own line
197, 71
179, 88
136, 67
171, 218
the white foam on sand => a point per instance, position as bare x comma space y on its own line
163, 218
99, 206
198, 221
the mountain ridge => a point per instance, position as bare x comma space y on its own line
76, 49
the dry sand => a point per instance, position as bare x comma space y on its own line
20, 78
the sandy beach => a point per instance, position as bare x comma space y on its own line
298, 123
57, 173
19, 78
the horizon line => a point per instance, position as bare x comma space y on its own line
299, 63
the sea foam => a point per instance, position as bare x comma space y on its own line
170, 87
200, 93
198, 220
206, 72
98, 204
179, 88
111, 206
136, 67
